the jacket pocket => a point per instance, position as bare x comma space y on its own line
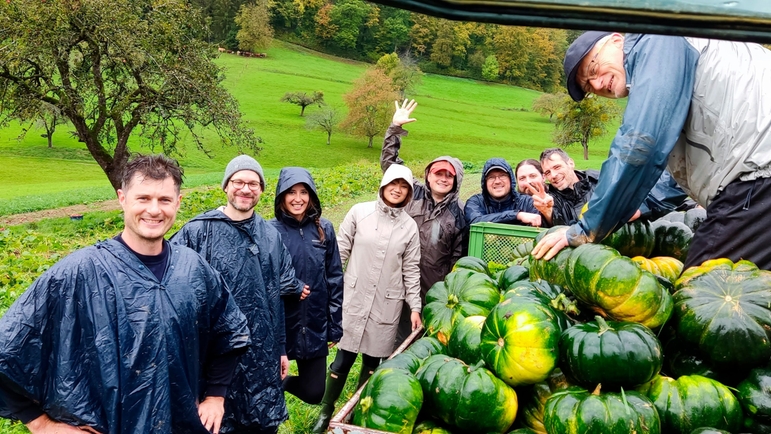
352, 301
391, 308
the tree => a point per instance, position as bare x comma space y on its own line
549, 104
370, 104
115, 66
303, 99
405, 73
578, 122
255, 32
491, 69
325, 119
49, 117
349, 16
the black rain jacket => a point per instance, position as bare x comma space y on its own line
258, 270
97, 340
317, 320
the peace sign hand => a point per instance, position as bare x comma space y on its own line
402, 114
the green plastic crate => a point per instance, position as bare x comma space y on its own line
495, 242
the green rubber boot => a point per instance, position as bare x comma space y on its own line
334, 387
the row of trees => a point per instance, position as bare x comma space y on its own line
521, 56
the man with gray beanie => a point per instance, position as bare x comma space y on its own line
698, 107
257, 268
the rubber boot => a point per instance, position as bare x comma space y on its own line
366, 372
334, 387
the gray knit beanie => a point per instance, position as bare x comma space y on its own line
243, 162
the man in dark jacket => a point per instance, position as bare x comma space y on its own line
257, 267
499, 201
435, 207
126, 336
569, 188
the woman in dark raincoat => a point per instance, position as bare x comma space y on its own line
314, 322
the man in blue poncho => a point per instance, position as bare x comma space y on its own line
127, 336
257, 267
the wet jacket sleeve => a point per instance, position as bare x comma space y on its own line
345, 236
334, 277
475, 212
391, 145
661, 71
411, 273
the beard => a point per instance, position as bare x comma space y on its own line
240, 205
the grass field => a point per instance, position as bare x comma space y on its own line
469, 120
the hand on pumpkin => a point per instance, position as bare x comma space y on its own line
402, 114
551, 244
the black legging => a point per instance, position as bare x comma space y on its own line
344, 360
308, 384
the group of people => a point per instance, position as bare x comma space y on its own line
194, 334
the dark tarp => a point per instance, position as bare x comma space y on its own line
98, 341
258, 270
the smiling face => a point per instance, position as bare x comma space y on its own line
241, 201
601, 71
149, 209
558, 172
395, 192
526, 175
440, 183
498, 184
296, 201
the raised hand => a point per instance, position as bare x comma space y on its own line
542, 201
402, 114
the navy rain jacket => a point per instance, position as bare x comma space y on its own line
97, 340
258, 270
317, 320
483, 208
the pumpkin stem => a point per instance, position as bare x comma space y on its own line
452, 300
603, 325
597, 389
476, 366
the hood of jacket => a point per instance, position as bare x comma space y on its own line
397, 171
289, 177
455, 193
494, 163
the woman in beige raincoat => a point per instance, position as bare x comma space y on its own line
380, 243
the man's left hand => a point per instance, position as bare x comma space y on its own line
211, 411
284, 366
415, 319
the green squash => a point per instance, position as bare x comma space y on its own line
553, 270
430, 427
664, 266
533, 399
724, 310
672, 239
519, 341
578, 411
465, 338
615, 287
406, 361
674, 216
614, 354
693, 401
471, 263
682, 359
426, 375
471, 398
525, 431
462, 293
754, 394
543, 292
632, 239
425, 347
694, 217
512, 275
390, 401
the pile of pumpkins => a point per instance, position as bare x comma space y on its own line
592, 341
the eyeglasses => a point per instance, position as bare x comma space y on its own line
238, 184
503, 177
592, 70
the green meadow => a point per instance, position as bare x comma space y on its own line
464, 118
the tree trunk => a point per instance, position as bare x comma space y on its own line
302, 110
370, 141
585, 144
329, 138
50, 143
